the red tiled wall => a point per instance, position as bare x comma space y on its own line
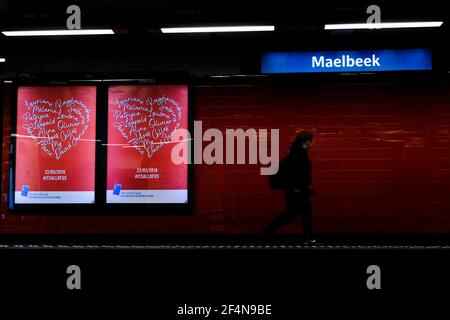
381, 163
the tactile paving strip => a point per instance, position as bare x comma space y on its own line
220, 247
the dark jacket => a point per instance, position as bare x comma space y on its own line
295, 171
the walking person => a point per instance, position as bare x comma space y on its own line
294, 178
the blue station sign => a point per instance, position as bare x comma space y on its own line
346, 61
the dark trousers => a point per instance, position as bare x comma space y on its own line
297, 203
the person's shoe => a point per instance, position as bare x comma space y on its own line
311, 241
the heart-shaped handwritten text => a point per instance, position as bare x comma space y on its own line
56, 126
147, 125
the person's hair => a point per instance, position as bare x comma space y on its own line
301, 138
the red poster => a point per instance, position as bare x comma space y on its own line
55, 149
141, 120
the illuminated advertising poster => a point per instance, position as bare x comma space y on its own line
55, 145
141, 121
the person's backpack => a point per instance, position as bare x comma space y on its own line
276, 181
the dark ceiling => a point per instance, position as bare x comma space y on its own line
154, 13
139, 44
